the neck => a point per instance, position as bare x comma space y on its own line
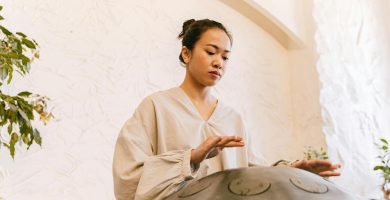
197, 92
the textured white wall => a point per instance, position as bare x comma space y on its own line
99, 58
305, 87
288, 12
354, 63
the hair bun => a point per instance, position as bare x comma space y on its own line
186, 25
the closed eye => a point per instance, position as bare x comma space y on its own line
210, 53
225, 58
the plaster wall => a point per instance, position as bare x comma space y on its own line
100, 58
354, 63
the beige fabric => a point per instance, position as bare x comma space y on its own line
153, 149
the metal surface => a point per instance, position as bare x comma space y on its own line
262, 183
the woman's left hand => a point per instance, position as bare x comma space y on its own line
320, 167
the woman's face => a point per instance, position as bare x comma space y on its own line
206, 63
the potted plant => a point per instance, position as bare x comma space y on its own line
17, 112
314, 154
384, 166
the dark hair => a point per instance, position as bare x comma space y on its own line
193, 29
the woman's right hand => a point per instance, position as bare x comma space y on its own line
212, 146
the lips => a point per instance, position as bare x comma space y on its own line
215, 73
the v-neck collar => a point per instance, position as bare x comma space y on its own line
194, 109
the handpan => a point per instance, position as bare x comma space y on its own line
262, 183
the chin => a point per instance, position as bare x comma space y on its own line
208, 82
211, 84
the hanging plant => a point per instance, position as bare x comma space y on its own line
17, 113
313, 154
384, 166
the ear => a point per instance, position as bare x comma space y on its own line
186, 54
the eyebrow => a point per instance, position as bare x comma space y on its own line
215, 46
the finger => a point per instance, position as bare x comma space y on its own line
213, 141
329, 173
210, 143
235, 138
238, 138
234, 144
336, 166
320, 166
225, 140
320, 163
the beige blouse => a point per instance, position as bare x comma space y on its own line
153, 149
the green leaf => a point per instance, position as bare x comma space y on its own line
36, 54
10, 74
35, 42
14, 138
3, 72
23, 115
31, 141
3, 121
384, 141
25, 60
13, 55
24, 94
9, 99
28, 43
26, 128
12, 150
12, 116
6, 145
21, 67
10, 128
25, 138
37, 137
25, 110
2, 108
1, 17
21, 34
378, 168
1, 8
19, 47
384, 147
5, 31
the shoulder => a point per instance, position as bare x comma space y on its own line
157, 97
163, 94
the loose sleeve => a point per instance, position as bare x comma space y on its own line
138, 172
254, 159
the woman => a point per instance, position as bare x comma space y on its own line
185, 133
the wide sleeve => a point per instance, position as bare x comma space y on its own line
138, 172
254, 158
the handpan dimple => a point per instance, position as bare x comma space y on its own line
194, 188
248, 187
309, 186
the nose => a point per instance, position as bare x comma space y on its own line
218, 63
